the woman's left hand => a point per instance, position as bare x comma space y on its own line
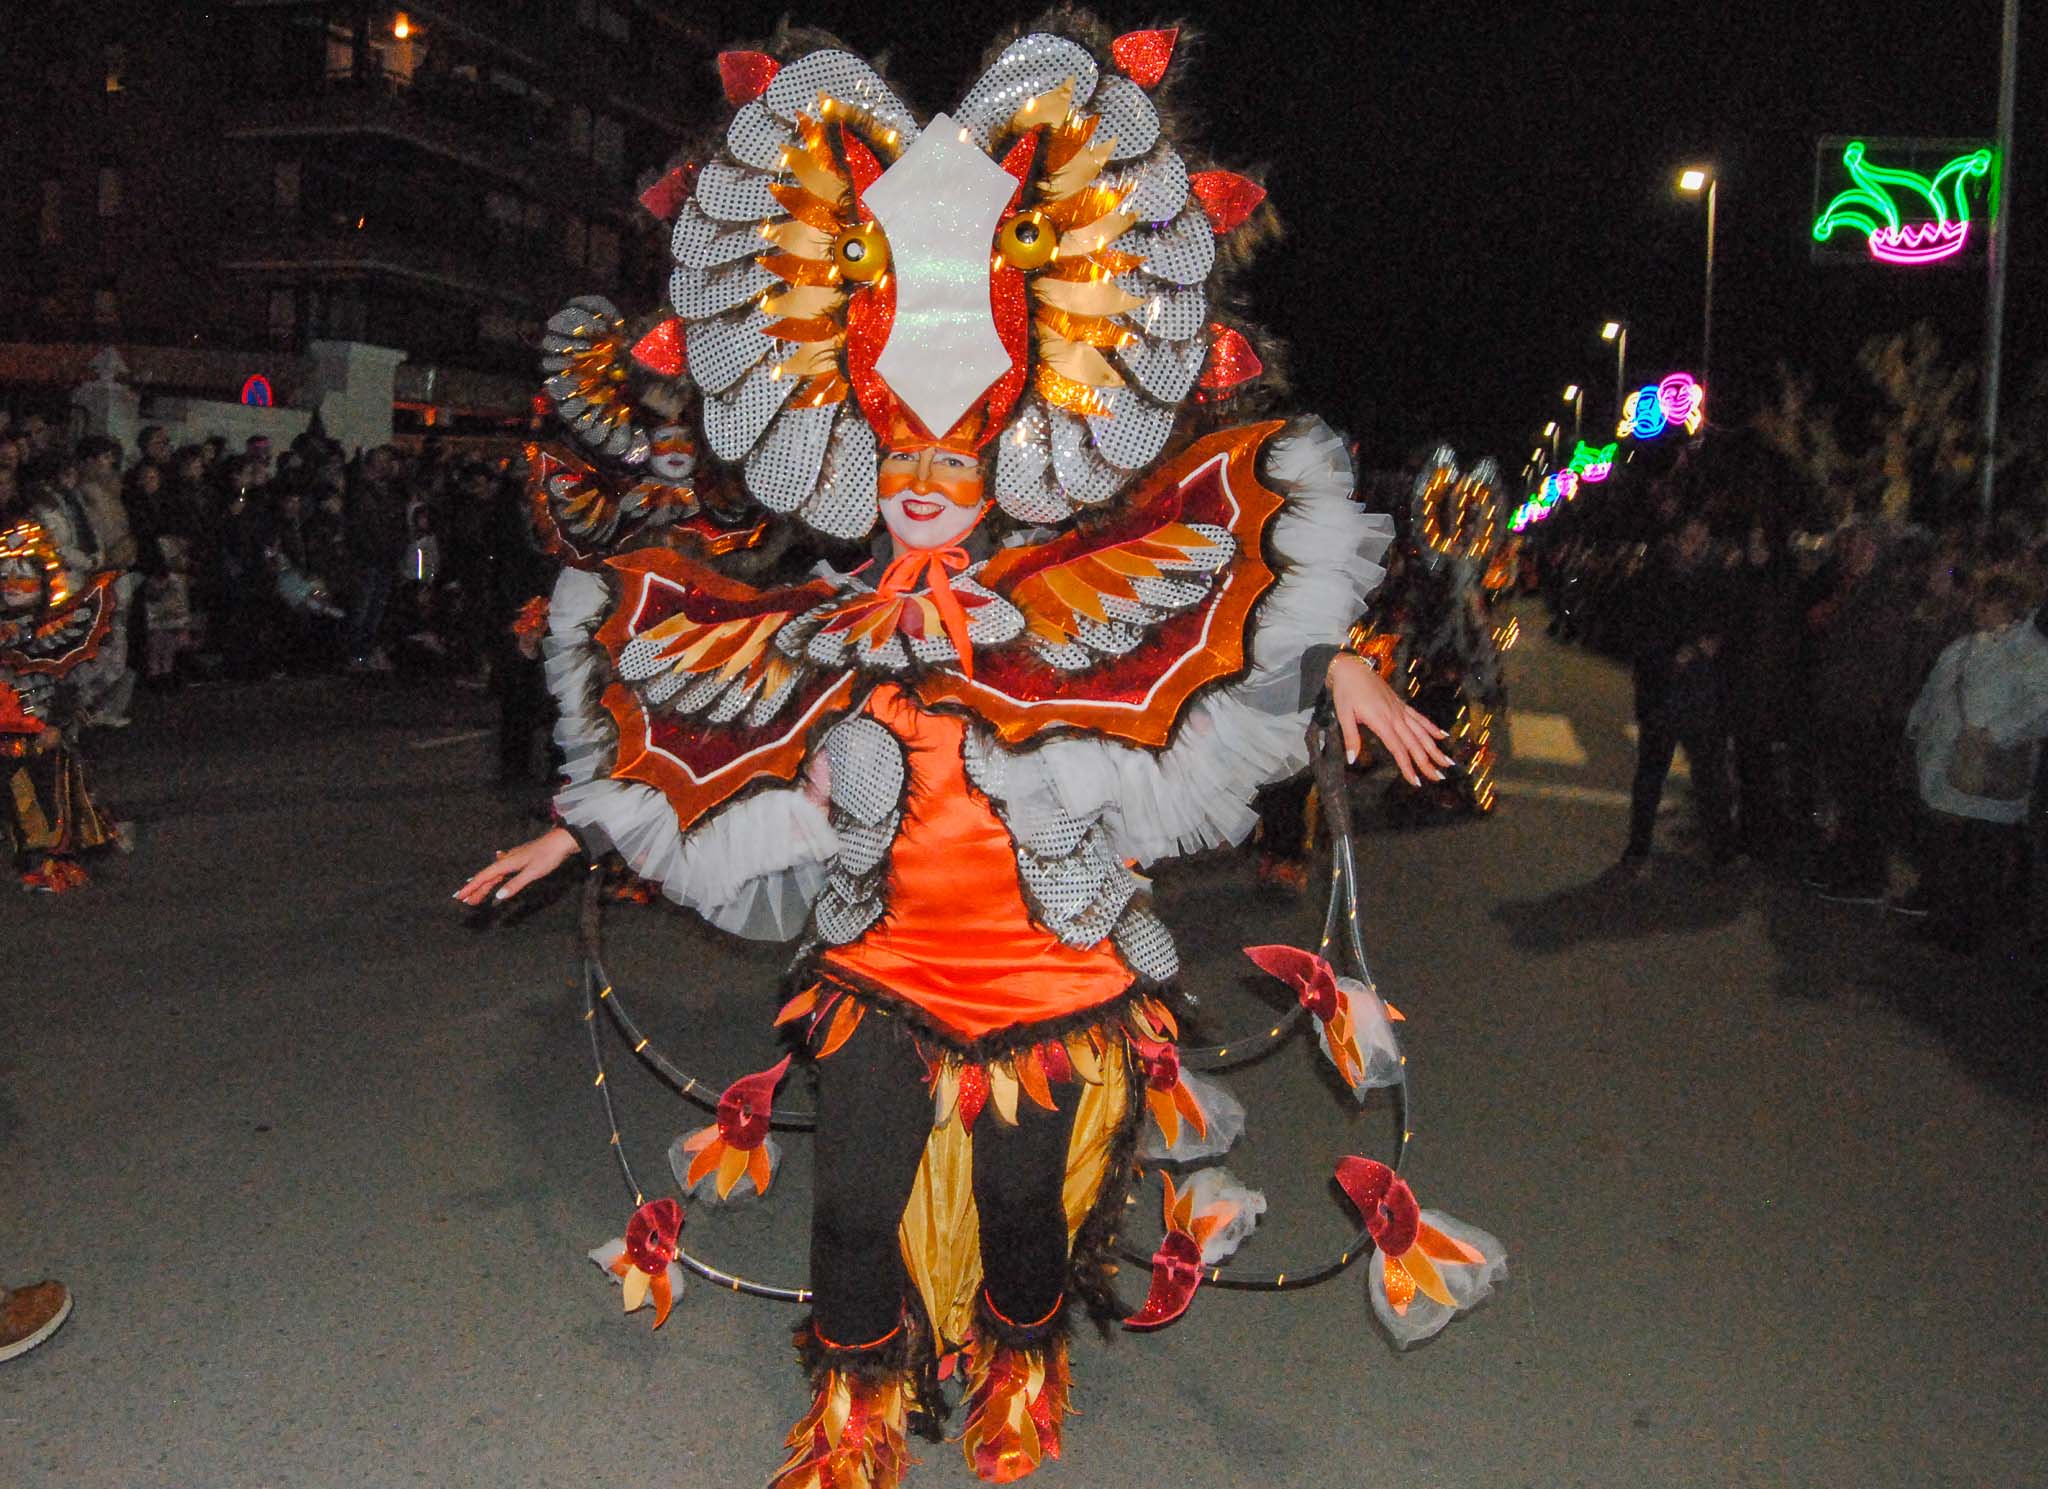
1362, 698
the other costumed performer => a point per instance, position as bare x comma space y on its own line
48, 631
1100, 620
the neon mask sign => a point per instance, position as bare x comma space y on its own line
1557, 488
1653, 409
1591, 465
1871, 207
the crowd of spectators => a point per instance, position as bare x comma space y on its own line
1864, 706
253, 563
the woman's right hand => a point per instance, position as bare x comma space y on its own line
515, 868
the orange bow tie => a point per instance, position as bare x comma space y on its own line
931, 568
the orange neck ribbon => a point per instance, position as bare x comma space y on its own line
930, 567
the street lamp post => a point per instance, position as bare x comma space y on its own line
1617, 332
1550, 433
1576, 397
1692, 180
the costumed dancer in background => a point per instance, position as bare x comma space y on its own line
1437, 637
1097, 623
48, 633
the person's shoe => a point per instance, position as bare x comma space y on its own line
29, 1315
55, 876
851, 1438
1631, 865
112, 721
1016, 1402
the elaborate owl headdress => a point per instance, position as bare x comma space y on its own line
1031, 270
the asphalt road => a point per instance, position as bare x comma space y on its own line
322, 1158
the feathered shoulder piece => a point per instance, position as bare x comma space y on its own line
46, 627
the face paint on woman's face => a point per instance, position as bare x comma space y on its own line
931, 498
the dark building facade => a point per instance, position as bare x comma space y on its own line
257, 175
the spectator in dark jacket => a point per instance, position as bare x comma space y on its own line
1680, 635
1762, 642
377, 535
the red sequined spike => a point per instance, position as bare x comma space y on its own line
1227, 197
865, 170
973, 1094
1143, 55
666, 197
661, 350
1018, 164
745, 76
1231, 360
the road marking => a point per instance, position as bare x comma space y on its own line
1598, 796
1547, 738
446, 740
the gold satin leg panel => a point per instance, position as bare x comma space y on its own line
941, 1231
32, 823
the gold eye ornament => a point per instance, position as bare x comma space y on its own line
862, 252
1028, 241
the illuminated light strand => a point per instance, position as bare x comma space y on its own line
1869, 207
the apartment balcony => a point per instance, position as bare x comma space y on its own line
490, 136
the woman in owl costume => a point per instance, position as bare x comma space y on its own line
1097, 620
48, 631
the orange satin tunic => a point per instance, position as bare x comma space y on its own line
956, 939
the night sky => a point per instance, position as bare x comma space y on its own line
1469, 191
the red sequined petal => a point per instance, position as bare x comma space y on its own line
665, 197
1227, 197
661, 350
1231, 360
745, 76
1143, 55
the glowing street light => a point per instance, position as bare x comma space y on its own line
401, 28
1617, 332
1691, 180
1550, 433
1576, 397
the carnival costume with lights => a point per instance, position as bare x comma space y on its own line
1436, 637
48, 631
943, 777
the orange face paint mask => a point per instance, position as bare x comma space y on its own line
932, 471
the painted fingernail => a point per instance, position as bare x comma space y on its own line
502, 894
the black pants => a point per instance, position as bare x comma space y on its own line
1707, 752
1972, 873
874, 1114
1761, 817
1859, 767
